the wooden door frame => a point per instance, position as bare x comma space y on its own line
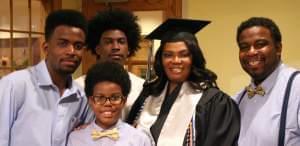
170, 8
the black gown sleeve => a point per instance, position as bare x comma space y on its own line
217, 121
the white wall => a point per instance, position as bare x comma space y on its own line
218, 38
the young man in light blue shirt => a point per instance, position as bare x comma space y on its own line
41, 105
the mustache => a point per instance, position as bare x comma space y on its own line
72, 59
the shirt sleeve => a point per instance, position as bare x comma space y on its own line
8, 108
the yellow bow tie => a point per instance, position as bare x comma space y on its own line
113, 134
258, 90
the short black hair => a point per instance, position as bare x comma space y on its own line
114, 19
260, 21
107, 71
64, 17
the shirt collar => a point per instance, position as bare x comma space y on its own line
269, 82
43, 78
43, 75
97, 127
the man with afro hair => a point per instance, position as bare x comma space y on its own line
114, 35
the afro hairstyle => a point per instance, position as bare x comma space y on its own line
107, 71
114, 19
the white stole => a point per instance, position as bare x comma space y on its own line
179, 117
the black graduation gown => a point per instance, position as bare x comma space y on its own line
217, 120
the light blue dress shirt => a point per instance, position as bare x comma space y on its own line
32, 111
260, 115
129, 136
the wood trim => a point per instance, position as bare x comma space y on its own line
171, 8
12, 43
56, 4
11, 35
85, 5
31, 53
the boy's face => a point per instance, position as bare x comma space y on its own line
107, 103
113, 46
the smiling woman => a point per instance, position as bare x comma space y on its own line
177, 61
184, 96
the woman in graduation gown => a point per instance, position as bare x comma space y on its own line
183, 105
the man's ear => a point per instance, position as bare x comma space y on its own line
278, 48
45, 48
98, 50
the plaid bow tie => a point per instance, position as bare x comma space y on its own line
113, 134
258, 90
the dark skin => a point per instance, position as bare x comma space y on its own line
259, 54
64, 51
177, 62
113, 46
107, 114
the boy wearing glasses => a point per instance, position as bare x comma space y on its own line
107, 86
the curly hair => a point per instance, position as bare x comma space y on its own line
107, 71
200, 77
64, 17
114, 19
260, 21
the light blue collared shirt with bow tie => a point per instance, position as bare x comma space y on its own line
128, 136
260, 115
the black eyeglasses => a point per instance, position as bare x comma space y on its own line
114, 99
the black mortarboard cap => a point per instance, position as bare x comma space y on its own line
174, 25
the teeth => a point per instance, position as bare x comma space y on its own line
254, 62
107, 113
177, 70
